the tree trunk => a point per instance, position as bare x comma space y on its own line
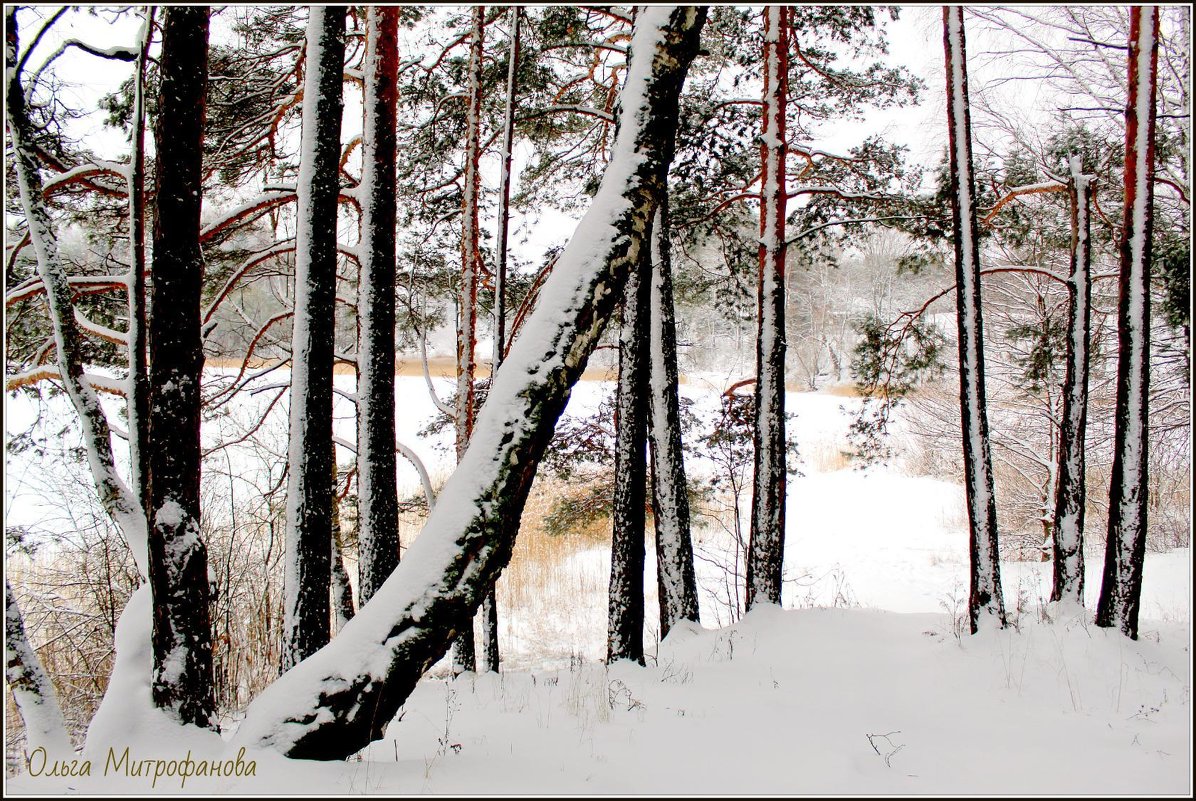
45, 727
464, 658
766, 548
985, 601
182, 636
360, 680
138, 399
1068, 525
115, 498
1125, 549
342, 591
625, 602
306, 618
378, 500
490, 655
678, 589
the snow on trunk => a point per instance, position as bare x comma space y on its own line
309, 461
625, 600
182, 634
766, 548
677, 585
1070, 491
377, 495
115, 498
338, 700
137, 408
31, 689
1125, 550
464, 658
986, 605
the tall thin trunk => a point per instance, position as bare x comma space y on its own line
306, 617
378, 499
766, 548
464, 658
625, 602
985, 601
359, 681
45, 726
1068, 525
138, 399
1125, 550
182, 635
677, 585
489, 611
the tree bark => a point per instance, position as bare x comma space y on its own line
45, 727
138, 399
985, 601
306, 616
342, 592
490, 655
625, 602
378, 499
766, 548
182, 635
360, 680
464, 657
1067, 528
676, 583
1125, 549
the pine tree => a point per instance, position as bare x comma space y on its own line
677, 585
766, 548
1125, 550
985, 601
377, 532
361, 679
1067, 529
309, 462
182, 634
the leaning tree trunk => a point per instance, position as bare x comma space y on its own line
766, 548
377, 495
182, 636
489, 612
1125, 549
677, 585
358, 682
45, 727
115, 497
464, 658
985, 602
1067, 530
625, 602
306, 618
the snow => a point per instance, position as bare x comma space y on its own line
1074, 708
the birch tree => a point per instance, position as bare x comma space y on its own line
1125, 549
309, 460
358, 682
377, 494
985, 602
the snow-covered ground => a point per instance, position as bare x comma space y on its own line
864, 684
